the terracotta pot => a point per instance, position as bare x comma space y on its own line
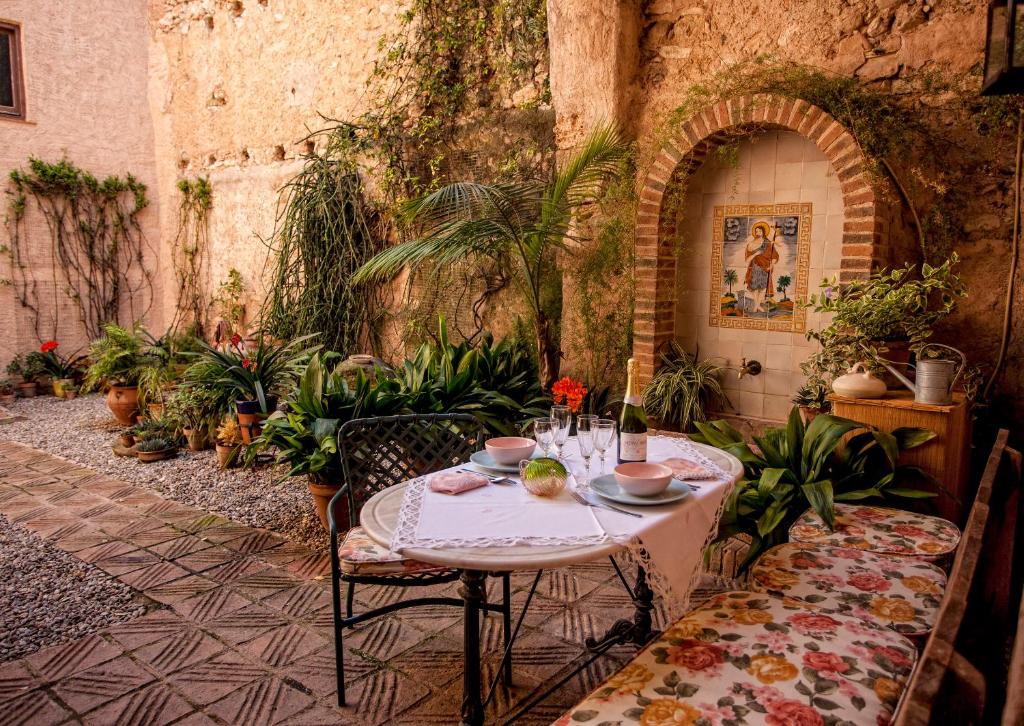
44, 385
148, 457
70, 394
60, 386
7, 397
27, 389
197, 439
155, 410
123, 402
225, 455
323, 493
251, 417
126, 440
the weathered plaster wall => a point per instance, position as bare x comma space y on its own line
85, 97
235, 87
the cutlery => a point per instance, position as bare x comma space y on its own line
491, 479
586, 501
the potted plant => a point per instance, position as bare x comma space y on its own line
7, 394
167, 360
62, 369
812, 399
194, 408
254, 373
227, 442
126, 438
15, 369
118, 358
892, 314
802, 466
306, 435
31, 369
70, 391
156, 448
684, 389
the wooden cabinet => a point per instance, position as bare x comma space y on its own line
946, 457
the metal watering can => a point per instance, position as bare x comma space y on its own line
935, 377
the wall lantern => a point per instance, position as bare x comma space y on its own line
1004, 49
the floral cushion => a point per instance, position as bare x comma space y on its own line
902, 593
360, 555
747, 658
880, 530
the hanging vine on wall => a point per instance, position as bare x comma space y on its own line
325, 231
96, 251
190, 253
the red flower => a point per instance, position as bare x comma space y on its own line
695, 655
909, 531
789, 712
825, 662
869, 582
236, 340
569, 392
49, 346
248, 364
894, 656
814, 624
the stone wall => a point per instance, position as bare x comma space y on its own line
85, 88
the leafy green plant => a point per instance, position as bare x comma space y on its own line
803, 466
34, 366
813, 395
150, 428
521, 225
16, 366
683, 389
228, 301
305, 433
118, 357
194, 407
166, 360
57, 365
892, 305
157, 443
250, 372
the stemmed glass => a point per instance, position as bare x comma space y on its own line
585, 428
604, 437
563, 416
544, 431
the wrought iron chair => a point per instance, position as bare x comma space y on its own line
377, 453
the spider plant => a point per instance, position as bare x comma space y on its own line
245, 372
684, 389
520, 224
803, 465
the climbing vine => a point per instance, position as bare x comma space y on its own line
906, 134
97, 246
325, 231
190, 255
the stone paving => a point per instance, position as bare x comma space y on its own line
239, 628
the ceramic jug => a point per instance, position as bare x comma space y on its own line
859, 383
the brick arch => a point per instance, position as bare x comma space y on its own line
865, 213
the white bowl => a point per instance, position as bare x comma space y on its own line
510, 449
642, 479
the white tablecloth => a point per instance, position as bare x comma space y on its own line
668, 541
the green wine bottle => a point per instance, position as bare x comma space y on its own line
633, 422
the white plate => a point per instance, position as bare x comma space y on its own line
486, 461
608, 488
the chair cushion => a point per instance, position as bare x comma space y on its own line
901, 593
880, 530
360, 555
747, 658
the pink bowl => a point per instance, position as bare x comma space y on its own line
510, 449
642, 479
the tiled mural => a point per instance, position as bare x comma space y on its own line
760, 255
779, 177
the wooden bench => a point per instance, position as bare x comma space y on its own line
959, 675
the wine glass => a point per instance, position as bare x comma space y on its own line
544, 432
563, 416
604, 437
585, 429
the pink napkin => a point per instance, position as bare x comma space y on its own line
456, 482
685, 469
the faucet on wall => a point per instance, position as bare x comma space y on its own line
749, 368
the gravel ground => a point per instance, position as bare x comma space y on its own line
48, 596
83, 431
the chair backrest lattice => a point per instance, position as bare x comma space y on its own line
377, 453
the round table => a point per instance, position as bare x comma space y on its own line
379, 517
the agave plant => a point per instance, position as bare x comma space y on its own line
684, 389
524, 224
803, 466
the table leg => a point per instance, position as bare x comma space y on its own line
473, 594
637, 630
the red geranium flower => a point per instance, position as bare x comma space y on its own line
236, 339
569, 392
49, 346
